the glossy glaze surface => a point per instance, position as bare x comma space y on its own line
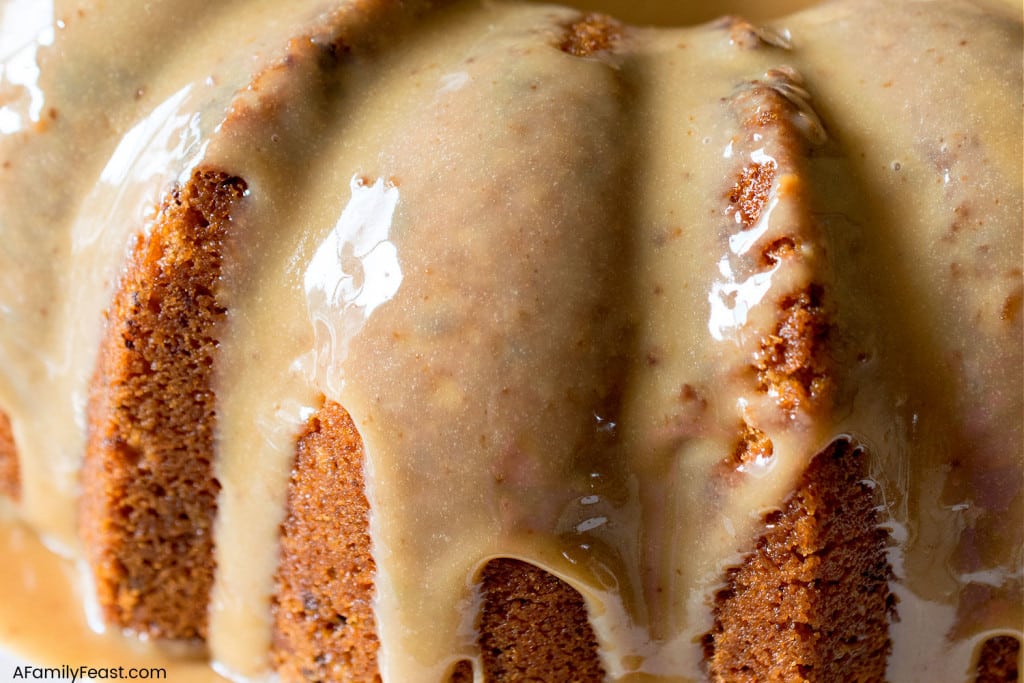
519, 271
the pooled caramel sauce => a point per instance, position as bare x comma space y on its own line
538, 326
42, 620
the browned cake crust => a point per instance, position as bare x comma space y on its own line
10, 483
533, 625
593, 33
812, 601
999, 660
149, 491
323, 618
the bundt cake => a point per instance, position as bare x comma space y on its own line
424, 340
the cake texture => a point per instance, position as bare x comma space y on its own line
473, 340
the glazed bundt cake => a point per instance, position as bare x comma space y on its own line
423, 340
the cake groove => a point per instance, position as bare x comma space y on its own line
784, 614
324, 627
534, 626
150, 496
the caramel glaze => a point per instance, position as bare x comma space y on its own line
540, 379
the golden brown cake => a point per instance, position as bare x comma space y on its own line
423, 340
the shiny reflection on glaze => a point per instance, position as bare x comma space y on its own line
353, 272
170, 133
124, 198
167, 138
732, 298
25, 27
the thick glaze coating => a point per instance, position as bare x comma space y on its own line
598, 302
